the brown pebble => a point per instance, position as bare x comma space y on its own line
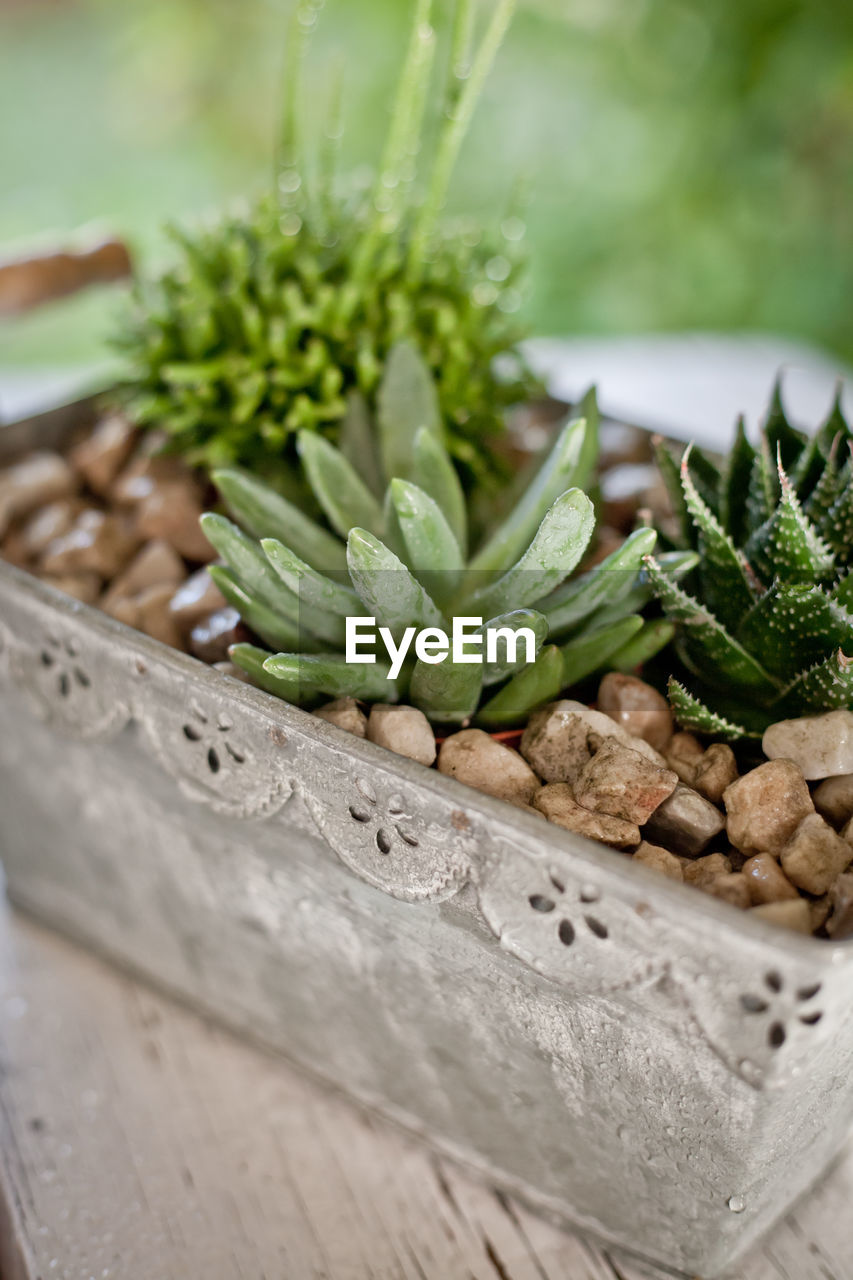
659, 859
716, 770
82, 586
623, 783
839, 924
101, 455
767, 881
815, 855
476, 759
172, 511
37, 479
211, 638
683, 755
196, 597
346, 714
765, 807
558, 805
731, 887
833, 799
789, 915
637, 707
48, 523
154, 565
686, 822
402, 729
96, 543
701, 871
561, 736
153, 617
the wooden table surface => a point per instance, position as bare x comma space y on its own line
138, 1142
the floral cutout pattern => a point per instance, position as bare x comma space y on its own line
567, 925
214, 737
63, 687
396, 840
780, 1007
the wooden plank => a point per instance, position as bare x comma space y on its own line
138, 1142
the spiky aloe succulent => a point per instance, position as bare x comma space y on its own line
767, 632
270, 317
398, 554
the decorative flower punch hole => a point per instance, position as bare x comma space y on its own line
213, 736
59, 660
390, 830
779, 1006
553, 902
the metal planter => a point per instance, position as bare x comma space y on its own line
626, 1054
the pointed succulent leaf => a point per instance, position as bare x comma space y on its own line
706, 479
258, 578
407, 400
553, 478
433, 472
388, 590
670, 470
242, 554
447, 691
590, 650
675, 564
330, 676
587, 462
641, 648
534, 685
824, 687
727, 588
251, 659
269, 626
842, 592
710, 646
693, 714
556, 549
787, 545
735, 486
793, 626
606, 584
346, 501
836, 426
432, 552
310, 586
785, 442
763, 492
265, 514
357, 442
827, 488
504, 666
837, 525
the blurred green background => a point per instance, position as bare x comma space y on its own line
690, 161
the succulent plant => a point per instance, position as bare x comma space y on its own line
271, 316
766, 627
398, 554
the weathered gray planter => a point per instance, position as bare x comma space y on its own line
626, 1054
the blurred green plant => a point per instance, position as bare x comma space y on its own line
272, 316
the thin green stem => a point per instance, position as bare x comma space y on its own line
289, 173
404, 130
453, 133
330, 143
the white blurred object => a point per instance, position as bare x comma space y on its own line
693, 386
